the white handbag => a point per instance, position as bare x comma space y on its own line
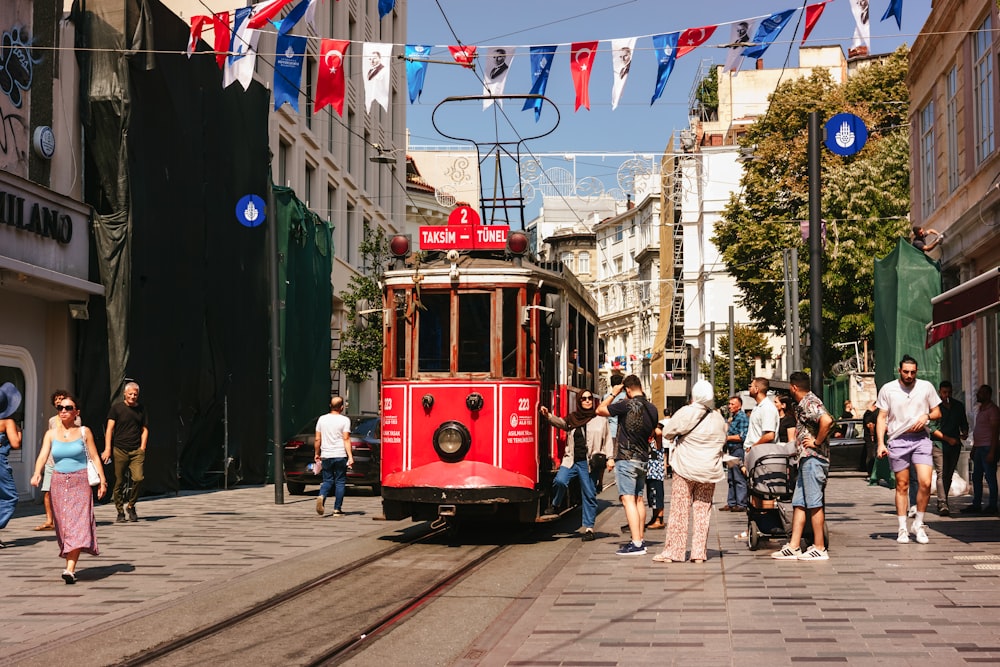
92, 475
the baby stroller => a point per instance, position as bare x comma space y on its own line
771, 481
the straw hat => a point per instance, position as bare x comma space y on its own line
10, 399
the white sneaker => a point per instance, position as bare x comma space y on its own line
912, 512
921, 535
815, 554
787, 553
903, 537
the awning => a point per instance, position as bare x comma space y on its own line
960, 305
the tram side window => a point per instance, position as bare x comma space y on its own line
474, 328
435, 333
399, 331
511, 332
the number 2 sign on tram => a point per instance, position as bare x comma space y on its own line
464, 232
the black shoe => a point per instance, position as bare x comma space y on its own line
626, 530
588, 535
121, 518
132, 515
971, 509
944, 511
550, 511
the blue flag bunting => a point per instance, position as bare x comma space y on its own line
895, 9
767, 32
541, 63
665, 49
287, 23
384, 7
288, 69
416, 69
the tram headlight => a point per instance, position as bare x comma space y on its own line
452, 441
517, 243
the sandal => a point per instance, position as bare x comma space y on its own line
662, 558
45, 526
655, 525
698, 560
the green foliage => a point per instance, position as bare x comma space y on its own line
361, 352
748, 344
865, 200
708, 95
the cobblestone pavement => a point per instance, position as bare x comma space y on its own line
874, 602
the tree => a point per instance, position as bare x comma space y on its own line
361, 352
748, 345
865, 199
708, 96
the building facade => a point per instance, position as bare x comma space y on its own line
954, 128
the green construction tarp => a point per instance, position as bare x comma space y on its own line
305, 246
905, 282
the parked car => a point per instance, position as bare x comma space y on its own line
847, 446
366, 446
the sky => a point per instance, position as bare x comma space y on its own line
634, 126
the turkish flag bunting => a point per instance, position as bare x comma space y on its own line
197, 25
264, 12
692, 38
813, 12
581, 62
220, 24
464, 55
330, 79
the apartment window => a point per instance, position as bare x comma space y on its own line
365, 165
310, 177
352, 32
350, 237
331, 201
350, 142
982, 90
567, 260
927, 172
631, 230
583, 263
283, 150
332, 125
618, 233
951, 126
618, 265
310, 92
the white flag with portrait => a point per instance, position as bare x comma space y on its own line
621, 60
739, 37
862, 26
375, 71
498, 61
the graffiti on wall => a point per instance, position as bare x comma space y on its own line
17, 65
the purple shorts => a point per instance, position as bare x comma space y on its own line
910, 448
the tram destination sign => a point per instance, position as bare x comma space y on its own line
464, 237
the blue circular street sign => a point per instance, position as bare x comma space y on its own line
846, 134
250, 211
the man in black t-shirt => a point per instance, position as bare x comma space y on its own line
637, 423
126, 435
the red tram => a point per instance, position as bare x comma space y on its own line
477, 338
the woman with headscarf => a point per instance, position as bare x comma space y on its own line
588, 435
696, 460
10, 438
72, 499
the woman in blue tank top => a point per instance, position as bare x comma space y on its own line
72, 500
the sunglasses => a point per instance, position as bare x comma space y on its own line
586, 398
66, 408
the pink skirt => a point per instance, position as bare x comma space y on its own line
73, 510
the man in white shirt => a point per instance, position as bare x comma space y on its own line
333, 453
905, 407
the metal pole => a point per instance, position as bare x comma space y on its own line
732, 353
225, 441
788, 313
815, 258
277, 464
793, 257
711, 356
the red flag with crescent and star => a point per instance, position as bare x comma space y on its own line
220, 24
330, 78
813, 12
464, 55
264, 12
692, 38
581, 63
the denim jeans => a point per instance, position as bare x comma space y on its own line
979, 468
737, 496
335, 477
564, 475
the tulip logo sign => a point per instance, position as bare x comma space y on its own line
250, 211
846, 134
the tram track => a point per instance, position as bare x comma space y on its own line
332, 617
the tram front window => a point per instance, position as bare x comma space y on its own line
475, 330
435, 333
